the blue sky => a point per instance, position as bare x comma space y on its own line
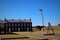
26, 9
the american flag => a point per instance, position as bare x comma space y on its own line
40, 11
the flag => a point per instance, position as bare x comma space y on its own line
40, 11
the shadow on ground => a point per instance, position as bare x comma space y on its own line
8, 33
14, 38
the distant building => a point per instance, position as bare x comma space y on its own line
58, 24
9, 26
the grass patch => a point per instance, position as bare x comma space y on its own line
32, 39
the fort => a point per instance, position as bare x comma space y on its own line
13, 25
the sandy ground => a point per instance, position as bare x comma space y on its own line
33, 35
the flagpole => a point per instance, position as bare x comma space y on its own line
43, 21
42, 18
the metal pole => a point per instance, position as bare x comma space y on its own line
42, 21
42, 18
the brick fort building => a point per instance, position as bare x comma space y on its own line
13, 25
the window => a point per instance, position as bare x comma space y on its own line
27, 24
18, 29
12, 28
15, 28
15, 24
6, 29
30, 24
27, 29
9, 30
21, 24
12, 24
24, 24
9, 24
6, 25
